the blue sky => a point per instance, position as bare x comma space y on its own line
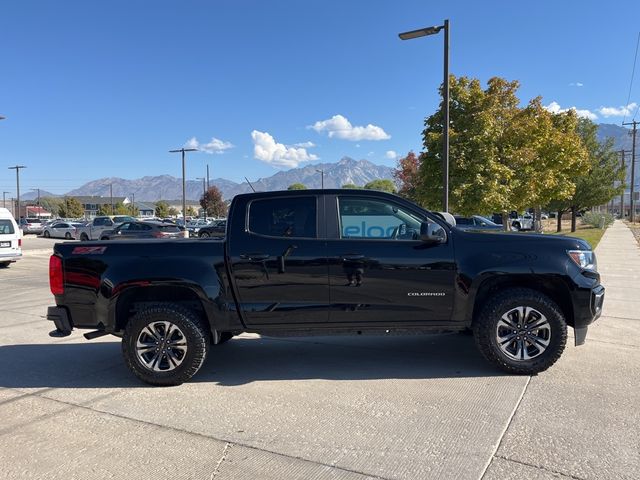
95, 89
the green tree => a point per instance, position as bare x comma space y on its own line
122, 209
351, 186
383, 185
479, 176
599, 181
297, 186
191, 212
173, 212
406, 174
52, 205
162, 209
104, 209
213, 203
71, 208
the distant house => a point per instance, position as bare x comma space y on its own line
34, 211
92, 204
146, 209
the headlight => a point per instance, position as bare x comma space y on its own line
585, 259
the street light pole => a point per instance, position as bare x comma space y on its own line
4, 199
17, 169
632, 206
184, 181
423, 32
321, 172
204, 195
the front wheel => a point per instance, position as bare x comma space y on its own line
67, 236
165, 344
204, 235
84, 237
521, 331
46, 234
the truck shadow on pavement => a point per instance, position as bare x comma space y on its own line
244, 360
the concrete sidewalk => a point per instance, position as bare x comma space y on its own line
580, 419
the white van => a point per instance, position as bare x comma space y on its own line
10, 238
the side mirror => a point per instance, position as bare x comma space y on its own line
431, 232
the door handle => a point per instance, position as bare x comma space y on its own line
256, 257
352, 256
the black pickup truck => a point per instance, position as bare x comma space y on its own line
323, 262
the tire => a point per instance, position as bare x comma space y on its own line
191, 344
46, 234
204, 235
68, 236
516, 226
84, 237
498, 320
224, 337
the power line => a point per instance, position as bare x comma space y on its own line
633, 71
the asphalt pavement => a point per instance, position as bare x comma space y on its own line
418, 407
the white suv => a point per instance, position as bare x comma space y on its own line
10, 239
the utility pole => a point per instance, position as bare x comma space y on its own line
13, 208
184, 181
133, 204
204, 197
4, 199
111, 195
632, 213
623, 166
207, 176
17, 169
321, 172
38, 203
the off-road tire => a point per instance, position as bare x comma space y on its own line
197, 339
485, 326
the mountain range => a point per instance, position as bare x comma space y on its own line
347, 170
153, 188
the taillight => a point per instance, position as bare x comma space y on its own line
56, 276
159, 234
19, 243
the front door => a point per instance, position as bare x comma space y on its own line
380, 271
278, 262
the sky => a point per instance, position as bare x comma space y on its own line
105, 89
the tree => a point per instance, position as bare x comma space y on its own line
173, 212
213, 203
601, 180
351, 186
406, 174
52, 205
383, 185
104, 209
71, 208
191, 212
297, 186
162, 209
122, 209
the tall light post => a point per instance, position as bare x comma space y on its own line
17, 169
184, 181
423, 32
4, 199
321, 172
204, 194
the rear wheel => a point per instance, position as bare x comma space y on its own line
67, 236
165, 344
84, 237
521, 331
204, 235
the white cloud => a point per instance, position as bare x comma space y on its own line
554, 107
576, 84
304, 145
621, 111
267, 150
391, 155
214, 146
339, 127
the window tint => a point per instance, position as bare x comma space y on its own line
6, 227
124, 227
142, 226
284, 217
463, 221
168, 228
376, 219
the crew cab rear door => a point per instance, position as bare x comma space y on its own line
277, 257
379, 269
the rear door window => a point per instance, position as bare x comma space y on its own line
6, 227
284, 217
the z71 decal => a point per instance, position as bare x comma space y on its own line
88, 250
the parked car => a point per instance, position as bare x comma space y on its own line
521, 222
94, 229
61, 230
476, 222
194, 226
10, 239
217, 229
131, 230
31, 225
313, 262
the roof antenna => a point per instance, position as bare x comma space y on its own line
254, 190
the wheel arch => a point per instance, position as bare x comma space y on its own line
554, 288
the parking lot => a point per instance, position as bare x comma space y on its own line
416, 407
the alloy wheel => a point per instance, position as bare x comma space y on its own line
161, 346
523, 333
